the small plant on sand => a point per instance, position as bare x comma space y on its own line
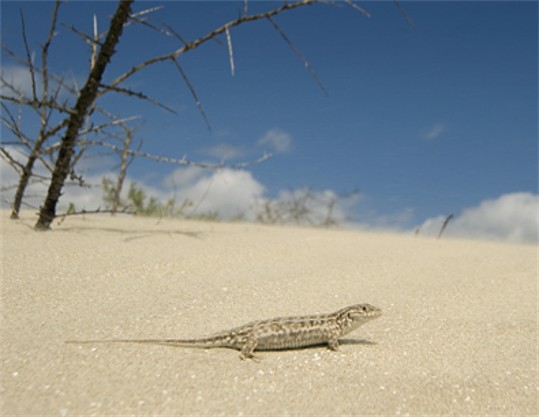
137, 201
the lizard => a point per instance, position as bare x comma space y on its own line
279, 333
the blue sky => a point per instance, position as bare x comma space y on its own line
421, 121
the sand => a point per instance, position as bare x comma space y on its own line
458, 335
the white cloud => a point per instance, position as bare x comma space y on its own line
84, 198
435, 131
226, 191
183, 177
278, 140
19, 78
511, 217
224, 151
89, 198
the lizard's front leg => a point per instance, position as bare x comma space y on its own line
333, 342
247, 350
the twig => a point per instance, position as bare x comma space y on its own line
174, 33
299, 54
137, 94
45, 50
88, 39
143, 22
37, 103
135, 17
192, 90
17, 166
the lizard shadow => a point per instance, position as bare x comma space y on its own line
342, 342
356, 342
169, 343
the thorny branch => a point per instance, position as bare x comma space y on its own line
194, 44
165, 159
125, 210
192, 90
299, 54
137, 94
37, 103
17, 166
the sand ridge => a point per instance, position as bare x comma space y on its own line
458, 335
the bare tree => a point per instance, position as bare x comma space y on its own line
38, 105
94, 87
45, 102
86, 99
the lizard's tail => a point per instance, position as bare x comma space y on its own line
199, 343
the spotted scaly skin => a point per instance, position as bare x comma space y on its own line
278, 333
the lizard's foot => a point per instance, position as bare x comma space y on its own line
333, 344
252, 356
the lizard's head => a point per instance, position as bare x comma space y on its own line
356, 315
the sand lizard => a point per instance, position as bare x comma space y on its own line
278, 333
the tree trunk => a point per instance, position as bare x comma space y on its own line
86, 98
23, 183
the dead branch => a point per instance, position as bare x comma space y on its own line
23, 138
88, 39
197, 42
182, 161
136, 94
134, 18
144, 22
17, 166
37, 103
45, 50
62, 216
174, 33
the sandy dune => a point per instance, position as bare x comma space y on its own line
458, 335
